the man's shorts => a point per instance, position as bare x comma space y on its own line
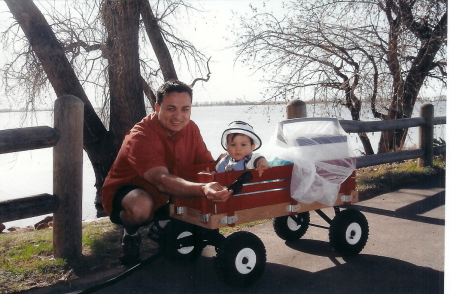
117, 203
162, 208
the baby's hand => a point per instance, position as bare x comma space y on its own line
262, 166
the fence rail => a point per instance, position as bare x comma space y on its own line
24, 139
29, 206
67, 138
376, 159
378, 126
425, 122
351, 126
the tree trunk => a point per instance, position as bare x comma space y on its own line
407, 90
368, 150
51, 55
127, 106
353, 104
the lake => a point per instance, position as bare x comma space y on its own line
30, 172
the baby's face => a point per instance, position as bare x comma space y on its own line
239, 146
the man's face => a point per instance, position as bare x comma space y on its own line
174, 113
240, 146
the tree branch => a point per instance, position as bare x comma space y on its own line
157, 41
208, 75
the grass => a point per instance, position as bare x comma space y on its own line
375, 179
26, 258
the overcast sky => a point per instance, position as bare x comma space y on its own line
210, 32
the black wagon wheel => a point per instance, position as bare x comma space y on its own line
291, 227
240, 259
181, 242
349, 232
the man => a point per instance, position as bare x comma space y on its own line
149, 167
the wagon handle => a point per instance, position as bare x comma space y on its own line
238, 184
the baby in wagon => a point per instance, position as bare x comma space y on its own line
239, 140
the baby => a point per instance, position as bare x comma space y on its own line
239, 140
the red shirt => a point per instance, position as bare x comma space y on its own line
148, 145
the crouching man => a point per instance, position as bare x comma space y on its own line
150, 165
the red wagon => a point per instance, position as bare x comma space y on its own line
241, 257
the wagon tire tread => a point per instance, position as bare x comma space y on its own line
349, 232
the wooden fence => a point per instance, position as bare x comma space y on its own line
425, 122
67, 140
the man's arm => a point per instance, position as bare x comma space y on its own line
167, 183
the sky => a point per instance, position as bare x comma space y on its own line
209, 31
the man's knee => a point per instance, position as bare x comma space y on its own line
137, 207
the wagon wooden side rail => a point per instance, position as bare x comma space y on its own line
266, 196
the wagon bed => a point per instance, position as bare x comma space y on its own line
264, 197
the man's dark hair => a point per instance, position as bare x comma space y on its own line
172, 86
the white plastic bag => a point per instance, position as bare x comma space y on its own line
320, 153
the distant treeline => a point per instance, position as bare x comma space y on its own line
241, 102
237, 103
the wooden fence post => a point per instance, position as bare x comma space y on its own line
426, 135
296, 109
68, 177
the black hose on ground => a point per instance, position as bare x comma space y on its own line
123, 275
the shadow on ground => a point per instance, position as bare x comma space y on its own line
360, 274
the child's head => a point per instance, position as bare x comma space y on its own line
240, 140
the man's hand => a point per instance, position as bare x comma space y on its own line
216, 193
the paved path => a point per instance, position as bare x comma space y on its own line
404, 254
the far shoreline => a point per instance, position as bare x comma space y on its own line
238, 102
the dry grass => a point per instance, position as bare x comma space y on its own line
26, 258
387, 177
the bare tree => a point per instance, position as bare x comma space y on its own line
351, 52
97, 46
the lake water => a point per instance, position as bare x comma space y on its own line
30, 172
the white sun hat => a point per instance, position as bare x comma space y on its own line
240, 127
